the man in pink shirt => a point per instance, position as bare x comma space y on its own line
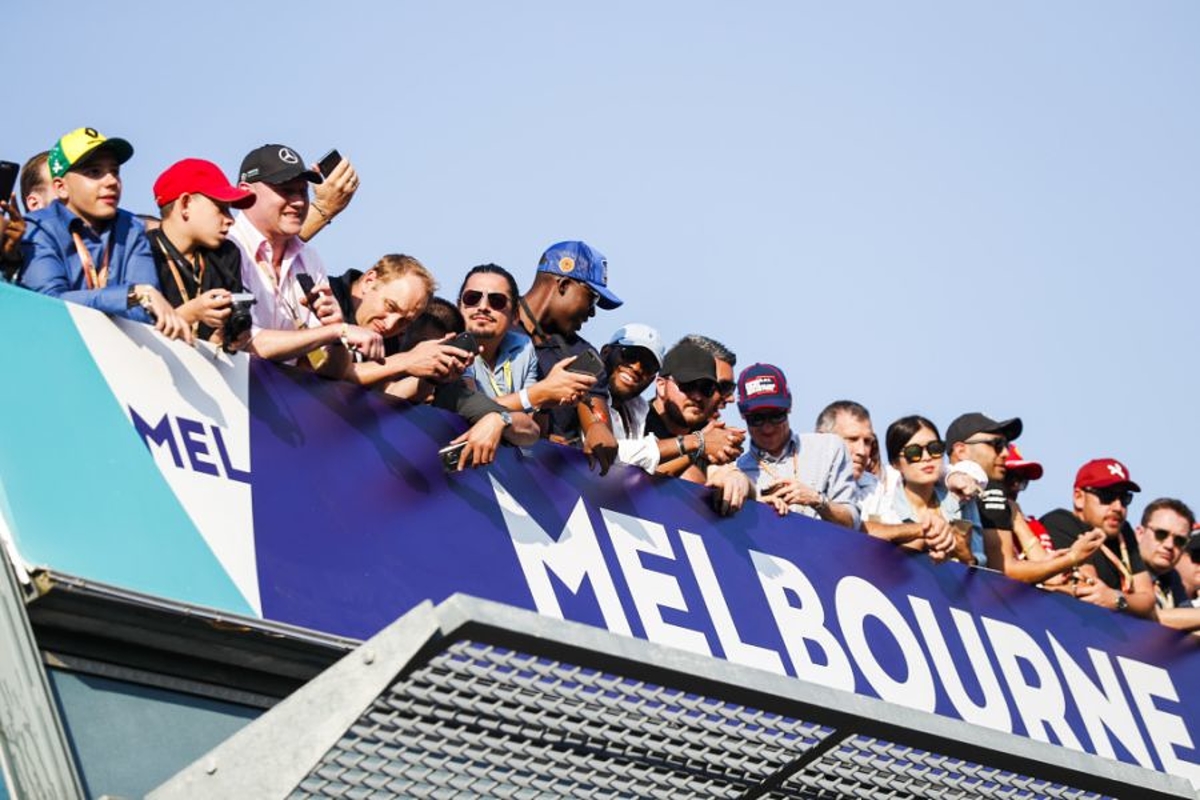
288, 320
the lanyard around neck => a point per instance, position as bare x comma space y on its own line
174, 257
95, 279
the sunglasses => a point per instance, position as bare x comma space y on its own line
999, 445
1109, 496
912, 452
630, 353
497, 301
767, 418
1160, 535
700, 386
726, 388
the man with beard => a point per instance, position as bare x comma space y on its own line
685, 396
506, 368
571, 281
633, 357
726, 360
1114, 576
806, 473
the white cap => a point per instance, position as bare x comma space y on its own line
635, 334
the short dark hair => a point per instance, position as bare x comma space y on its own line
828, 416
1171, 504
712, 347
31, 176
494, 269
439, 318
903, 429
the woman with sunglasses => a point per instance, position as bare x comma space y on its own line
911, 506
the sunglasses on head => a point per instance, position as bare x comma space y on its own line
912, 452
701, 386
1160, 535
765, 418
497, 301
998, 444
1110, 495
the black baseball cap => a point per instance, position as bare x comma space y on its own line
275, 163
967, 425
686, 362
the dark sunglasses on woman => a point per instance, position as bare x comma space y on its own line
912, 452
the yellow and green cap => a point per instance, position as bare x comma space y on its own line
77, 145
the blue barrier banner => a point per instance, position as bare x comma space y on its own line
232, 483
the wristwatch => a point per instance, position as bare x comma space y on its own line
1122, 604
507, 417
822, 505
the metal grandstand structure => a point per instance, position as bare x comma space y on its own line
475, 699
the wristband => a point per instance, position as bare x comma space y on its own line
679, 444
328, 219
699, 448
526, 403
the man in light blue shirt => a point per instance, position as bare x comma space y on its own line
806, 473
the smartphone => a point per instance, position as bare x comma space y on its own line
465, 341
450, 455
329, 162
8, 178
308, 286
588, 363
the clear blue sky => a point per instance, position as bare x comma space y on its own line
928, 207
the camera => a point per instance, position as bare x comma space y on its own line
238, 321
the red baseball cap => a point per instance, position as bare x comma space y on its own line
1100, 473
197, 176
1016, 464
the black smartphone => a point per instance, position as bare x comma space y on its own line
8, 178
588, 363
329, 162
450, 454
308, 286
465, 341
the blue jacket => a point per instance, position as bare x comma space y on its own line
52, 265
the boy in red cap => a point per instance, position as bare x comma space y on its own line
199, 269
1103, 492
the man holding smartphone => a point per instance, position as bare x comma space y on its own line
288, 321
571, 281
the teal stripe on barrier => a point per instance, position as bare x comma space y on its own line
84, 495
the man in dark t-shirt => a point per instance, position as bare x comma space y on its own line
1103, 492
199, 269
571, 282
979, 438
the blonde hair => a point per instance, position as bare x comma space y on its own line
397, 265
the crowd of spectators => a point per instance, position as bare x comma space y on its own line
515, 367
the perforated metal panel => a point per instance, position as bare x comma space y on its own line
486, 701
485, 721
